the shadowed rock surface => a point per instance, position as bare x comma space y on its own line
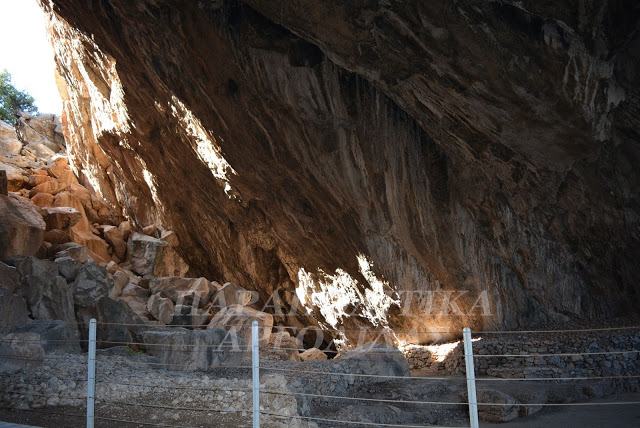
481, 153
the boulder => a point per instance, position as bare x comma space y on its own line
74, 200
57, 236
51, 187
151, 230
9, 143
97, 247
120, 281
68, 267
47, 294
313, 354
188, 350
170, 264
9, 277
55, 335
21, 228
231, 294
13, 310
67, 178
143, 250
191, 291
61, 217
505, 409
238, 319
375, 359
161, 308
118, 323
281, 347
115, 237
189, 316
91, 285
37, 179
15, 178
20, 351
170, 238
152, 256
58, 166
79, 253
43, 200
125, 229
138, 304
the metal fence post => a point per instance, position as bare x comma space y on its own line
91, 373
255, 364
471, 378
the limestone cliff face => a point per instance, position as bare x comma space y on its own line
478, 152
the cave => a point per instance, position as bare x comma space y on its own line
409, 166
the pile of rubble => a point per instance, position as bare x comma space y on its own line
66, 257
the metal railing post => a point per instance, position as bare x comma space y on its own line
255, 365
471, 378
91, 374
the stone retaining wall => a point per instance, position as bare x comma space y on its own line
620, 355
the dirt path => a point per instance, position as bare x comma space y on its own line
597, 416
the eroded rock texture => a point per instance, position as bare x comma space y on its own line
486, 147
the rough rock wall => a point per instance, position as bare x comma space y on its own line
478, 152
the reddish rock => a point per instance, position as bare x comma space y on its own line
125, 230
58, 166
43, 199
114, 236
97, 247
61, 217
51, 186
36, 179
57, 236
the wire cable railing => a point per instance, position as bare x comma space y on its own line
149, 386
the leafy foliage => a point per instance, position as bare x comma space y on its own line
12, 99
